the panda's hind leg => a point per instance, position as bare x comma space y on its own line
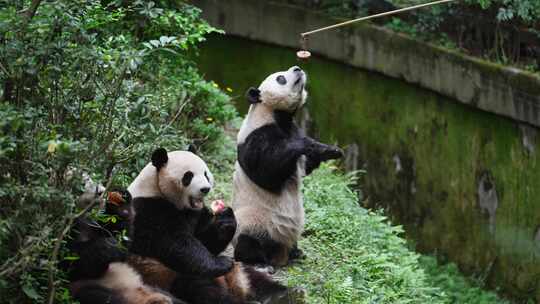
249, 250
260, 250
262, 284
296, 253
88, 293
202, 291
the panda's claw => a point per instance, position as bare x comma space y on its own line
336, 153
296, 254
265, 268
226, 222
331, 152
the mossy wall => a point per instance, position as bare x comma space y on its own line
461, 181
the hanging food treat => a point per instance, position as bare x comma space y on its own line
303, 55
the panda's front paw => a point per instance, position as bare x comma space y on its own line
332, 152
226, 224
296, 254
337, 153
227, 213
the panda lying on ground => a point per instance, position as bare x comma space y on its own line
101, 274
176, 240
273, 156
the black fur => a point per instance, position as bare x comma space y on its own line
191, 148
96, 250
159, 158
281, 80
269, 155
296, 253
216, 232
317, 152
262, 283
170, 235
253, 95
256, 250
186, 179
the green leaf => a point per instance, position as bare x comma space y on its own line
30, 292
71, 258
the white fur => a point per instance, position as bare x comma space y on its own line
124, 279
168, 183
258, 115
257, 209
289, 96
242, 279
274, 96
121, 276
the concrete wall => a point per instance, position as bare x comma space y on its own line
487, 86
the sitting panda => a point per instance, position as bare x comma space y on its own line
176, 240
273, 156
101, 274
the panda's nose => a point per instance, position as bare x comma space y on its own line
296, 69
205, 190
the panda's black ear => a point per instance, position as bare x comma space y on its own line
159, 158
191, 148
253, 95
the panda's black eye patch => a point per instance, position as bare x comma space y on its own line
206, 175
186, 179
281, 80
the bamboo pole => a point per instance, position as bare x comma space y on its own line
401, 10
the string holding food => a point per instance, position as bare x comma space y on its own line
304, 54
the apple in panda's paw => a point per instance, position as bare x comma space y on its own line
217, 206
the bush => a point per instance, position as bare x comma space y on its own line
95, 86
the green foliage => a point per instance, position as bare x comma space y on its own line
356, 256
96, 86
527, 10
504, 31
457, 288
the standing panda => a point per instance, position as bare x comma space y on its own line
273, 156
176, 240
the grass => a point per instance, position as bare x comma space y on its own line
354, 255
